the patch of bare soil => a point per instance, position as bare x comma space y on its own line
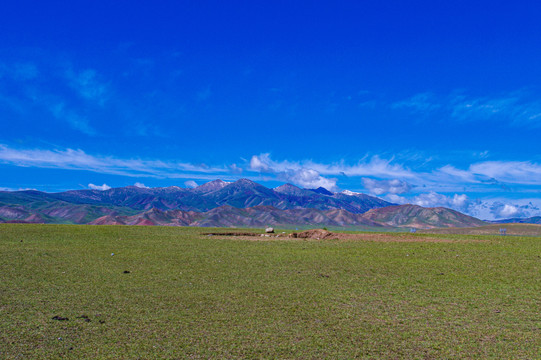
231, 234
322, 234
318, 234
393, 238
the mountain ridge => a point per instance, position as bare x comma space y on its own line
220, 203
262, 216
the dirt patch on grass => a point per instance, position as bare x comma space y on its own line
318, 234
322, 234
394, 238
232, 234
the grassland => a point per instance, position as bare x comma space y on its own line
513, 229
174, 293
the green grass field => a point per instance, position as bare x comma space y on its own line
192, 296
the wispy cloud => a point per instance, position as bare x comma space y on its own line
88, 84
519, 172
30, 92
76, 121
20, 71
379, 187
378, 176
424, 102
71, 159
517, 108
376, 167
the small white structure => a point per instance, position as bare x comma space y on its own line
269, 230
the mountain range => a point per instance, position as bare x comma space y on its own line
530, 220
219, 203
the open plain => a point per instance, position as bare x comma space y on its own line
167, 292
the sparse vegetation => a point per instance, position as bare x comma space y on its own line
161, 292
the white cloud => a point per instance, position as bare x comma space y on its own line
99, 187
490, 209
295, 173
379, 187
503, 208
140, 185
308, 178
459, 202
16, 189
508, 211
376, 166
431, 199
79, 160
261, 163
390, 177
191, 184
299, 172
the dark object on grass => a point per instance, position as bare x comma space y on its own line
85, 317
126, 271
60, 318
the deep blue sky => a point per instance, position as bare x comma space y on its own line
421, 101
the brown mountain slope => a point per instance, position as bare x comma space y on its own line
260, 216
415, 216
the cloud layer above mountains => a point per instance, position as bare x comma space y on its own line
447, 185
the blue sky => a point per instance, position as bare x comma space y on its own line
419, 101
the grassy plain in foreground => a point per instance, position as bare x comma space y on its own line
174, 293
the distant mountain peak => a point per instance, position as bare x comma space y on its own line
321, 190
245, 181
211, 186
287, 186
289, 189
